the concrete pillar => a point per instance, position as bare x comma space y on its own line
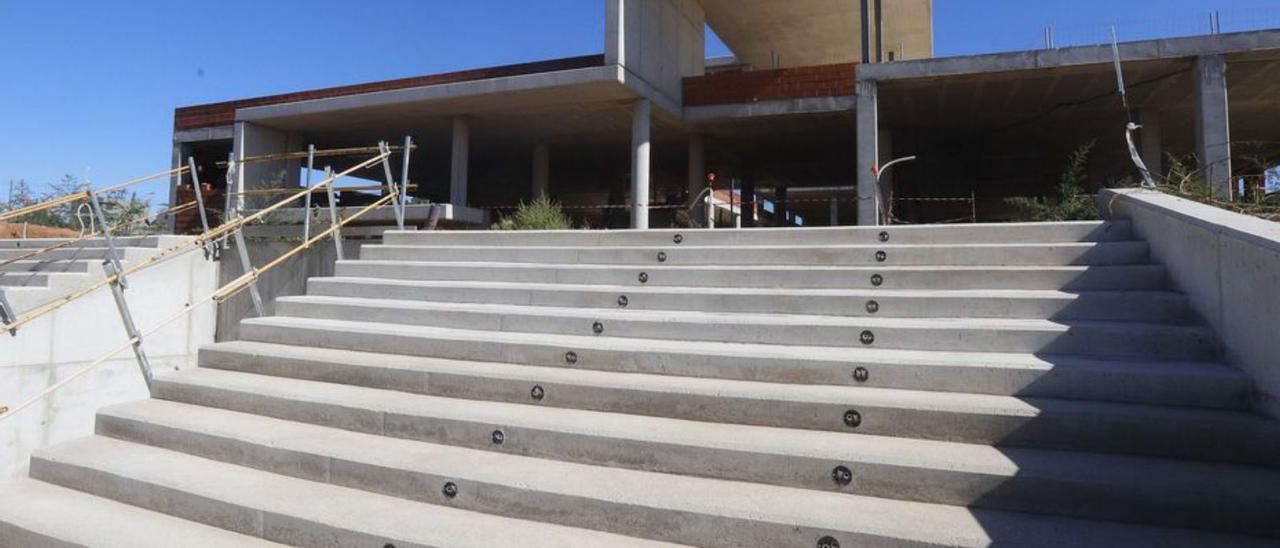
541, 170
640, 143
1213, 127
459, 166
181, 151
1151, 142
868, 127
835, 212
697, 174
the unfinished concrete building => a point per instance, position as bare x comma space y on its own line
793, 124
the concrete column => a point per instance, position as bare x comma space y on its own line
868, 127
835, 212
181, 151
640, 122
541, 170
459, 166
697, 174
1151, 142
1213, 127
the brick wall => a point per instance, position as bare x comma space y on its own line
217, 114
765, 85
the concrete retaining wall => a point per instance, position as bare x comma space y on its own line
47, 350
1229, 266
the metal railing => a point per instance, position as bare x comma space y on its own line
235, 222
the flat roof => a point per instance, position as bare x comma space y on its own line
223, 113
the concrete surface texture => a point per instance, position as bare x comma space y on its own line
47, 350
1015, 385
1228, 266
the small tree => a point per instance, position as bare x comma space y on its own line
540, 214
1069, 202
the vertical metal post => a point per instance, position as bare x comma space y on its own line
243, 248
306, 201
385, 150
404, 177
230, 188
195, 184
7, 314
333, 211
112, 265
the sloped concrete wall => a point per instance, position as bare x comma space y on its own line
55, 346
1228, 265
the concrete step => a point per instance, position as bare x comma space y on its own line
504, 479
1087, 231
1086, 253
1221, 436
283, 509
1118, 339
1066, 278
42, 514
1124, 305
1194, 384
31, 244
79, 265
63, 254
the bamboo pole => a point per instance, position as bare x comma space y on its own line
354, 151
220, 295
198, 241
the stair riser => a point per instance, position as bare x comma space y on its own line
63, 254
1061, 382
1053, 430
1118, 306
1153, 342
1008, 233
284, 529
1077, 497
705, 530
1097, 278
33, 244
1109, 253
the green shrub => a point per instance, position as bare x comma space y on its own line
540, 214
1069, 203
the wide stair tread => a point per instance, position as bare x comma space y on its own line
1201, 383
678, 508
42, 514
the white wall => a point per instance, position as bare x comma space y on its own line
658, 41
58, 344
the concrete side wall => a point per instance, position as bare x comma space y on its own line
287, 280
254, 140
659, 41
57, 345
1228, 265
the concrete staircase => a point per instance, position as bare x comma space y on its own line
28, 282
1016, 385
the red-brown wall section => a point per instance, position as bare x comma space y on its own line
765, 85
217, 114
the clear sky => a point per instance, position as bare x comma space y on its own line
89, 87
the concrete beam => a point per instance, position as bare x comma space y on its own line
460, 161
642, 112
868, 153
1213, 126
541, 170
785, 107
1171, 48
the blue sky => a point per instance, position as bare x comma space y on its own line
89, 87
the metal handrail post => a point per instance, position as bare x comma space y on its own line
333, 213
95, 205
118, 285
243, 251
391, 185
404, 178
306, 201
